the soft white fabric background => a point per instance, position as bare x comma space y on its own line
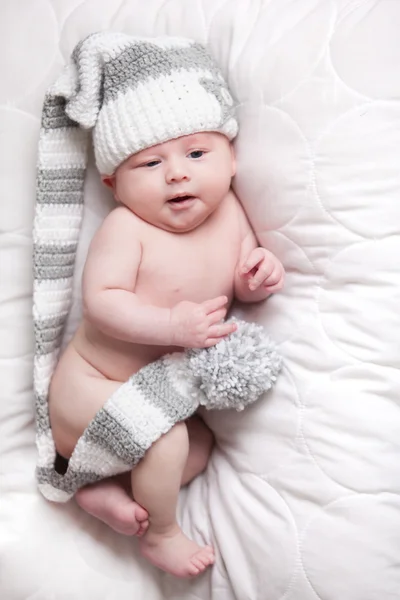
301, 498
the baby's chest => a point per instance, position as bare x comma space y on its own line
192, 268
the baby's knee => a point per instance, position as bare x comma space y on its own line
179, 435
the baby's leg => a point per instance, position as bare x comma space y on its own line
73, 403
201, 442
156, 481
111, 500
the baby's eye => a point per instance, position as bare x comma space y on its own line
152, 163
196, 153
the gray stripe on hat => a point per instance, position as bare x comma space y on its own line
60, 186
144, 60
61, 174
70, 482
42, 413
47, 335
58, 182
54, 248
42, 348
109, 434
59, 198
54, 261
50, 322
222, 96
53, 114
153, 383
42, 272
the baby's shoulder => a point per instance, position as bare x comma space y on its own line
122, 217
120, 222
119, 229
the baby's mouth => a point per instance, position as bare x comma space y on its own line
180, 199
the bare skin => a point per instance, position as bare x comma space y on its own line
160, 275
111, 500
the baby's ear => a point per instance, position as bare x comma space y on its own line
109, 181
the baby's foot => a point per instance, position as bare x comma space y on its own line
109, 502
176, 554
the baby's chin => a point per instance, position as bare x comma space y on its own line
183, 223
183, 227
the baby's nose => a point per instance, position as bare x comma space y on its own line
176, 171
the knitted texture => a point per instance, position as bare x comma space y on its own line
233, 374
130, 93
136, 92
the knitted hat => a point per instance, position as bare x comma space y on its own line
135, 93
132, 93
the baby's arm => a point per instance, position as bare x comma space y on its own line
110, 302
259, 273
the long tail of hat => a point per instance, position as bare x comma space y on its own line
70, 110
61, 170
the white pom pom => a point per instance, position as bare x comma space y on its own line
238, 370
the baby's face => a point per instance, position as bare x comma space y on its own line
178, 184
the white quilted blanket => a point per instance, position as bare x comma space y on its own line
301, 497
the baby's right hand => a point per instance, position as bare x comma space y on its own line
198, 325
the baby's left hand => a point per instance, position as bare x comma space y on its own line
262, 268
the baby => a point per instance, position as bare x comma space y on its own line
160, 275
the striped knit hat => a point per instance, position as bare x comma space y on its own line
135, 93
130, 93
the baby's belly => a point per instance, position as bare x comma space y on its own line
90, 370
114, 359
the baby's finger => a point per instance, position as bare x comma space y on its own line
263, 273
216, 303
217, 316
211, 342
221, 330
254, 258
276, 287
275, 277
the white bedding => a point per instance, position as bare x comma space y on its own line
301, 498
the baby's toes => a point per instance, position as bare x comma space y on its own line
202, 560
141, 513
142, 517
206, 559
125, 522
208, 554
143, 527
195, 567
